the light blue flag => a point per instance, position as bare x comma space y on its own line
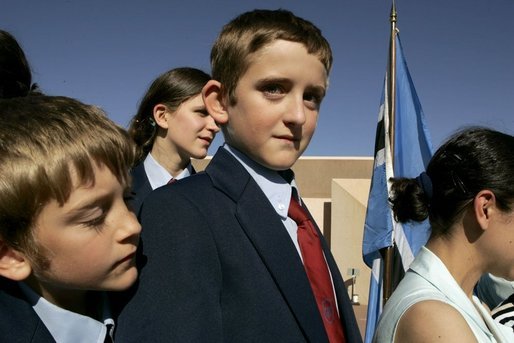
412, 152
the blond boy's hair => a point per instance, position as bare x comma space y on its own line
250, 32
41, 138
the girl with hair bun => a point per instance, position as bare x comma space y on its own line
467, 193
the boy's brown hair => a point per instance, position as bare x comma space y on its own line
250, 32
41, 139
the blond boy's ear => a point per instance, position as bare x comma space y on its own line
160, 115
213, 99
13, 264
484, 205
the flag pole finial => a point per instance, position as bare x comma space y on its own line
393, 16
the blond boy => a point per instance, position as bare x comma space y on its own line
66, 234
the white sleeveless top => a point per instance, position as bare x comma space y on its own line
429, 279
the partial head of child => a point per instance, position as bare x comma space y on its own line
270, 73
64, 225
172, 115
15, 73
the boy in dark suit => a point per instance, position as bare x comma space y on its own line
66, 234
223, 259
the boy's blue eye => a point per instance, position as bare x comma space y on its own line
313, 98
272, 89
313, 101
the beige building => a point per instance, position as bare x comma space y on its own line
336, 191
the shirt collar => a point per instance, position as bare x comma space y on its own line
67, 326
158, 175
274, 187
430, 267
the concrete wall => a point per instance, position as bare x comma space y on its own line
314, 174
349, 200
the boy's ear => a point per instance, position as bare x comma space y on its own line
484, 205
160, 116
214, 102
13, 264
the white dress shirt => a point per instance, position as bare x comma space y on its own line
66, 326
158, 175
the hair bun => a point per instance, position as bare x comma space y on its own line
426, 184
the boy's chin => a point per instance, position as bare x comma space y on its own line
123, 282
279, 164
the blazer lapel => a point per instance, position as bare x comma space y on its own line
140, 186
19, 321
265, 230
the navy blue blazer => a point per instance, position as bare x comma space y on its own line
19, 323
217, 265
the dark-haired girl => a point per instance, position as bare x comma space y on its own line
171, 127
468, 195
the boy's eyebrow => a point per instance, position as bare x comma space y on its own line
272, 79
88, 204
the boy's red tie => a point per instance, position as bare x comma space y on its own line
317, 271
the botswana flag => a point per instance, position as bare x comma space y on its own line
413, 150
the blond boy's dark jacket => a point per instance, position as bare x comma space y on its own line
219, 266
19, 323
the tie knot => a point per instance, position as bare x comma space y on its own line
297, 212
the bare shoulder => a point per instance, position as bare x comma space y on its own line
433, 321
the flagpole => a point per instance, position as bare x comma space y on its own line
388, 251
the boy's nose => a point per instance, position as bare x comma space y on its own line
296, 112
129, 226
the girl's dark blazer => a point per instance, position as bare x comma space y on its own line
19, 323
141, 186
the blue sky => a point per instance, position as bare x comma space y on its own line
106, 52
